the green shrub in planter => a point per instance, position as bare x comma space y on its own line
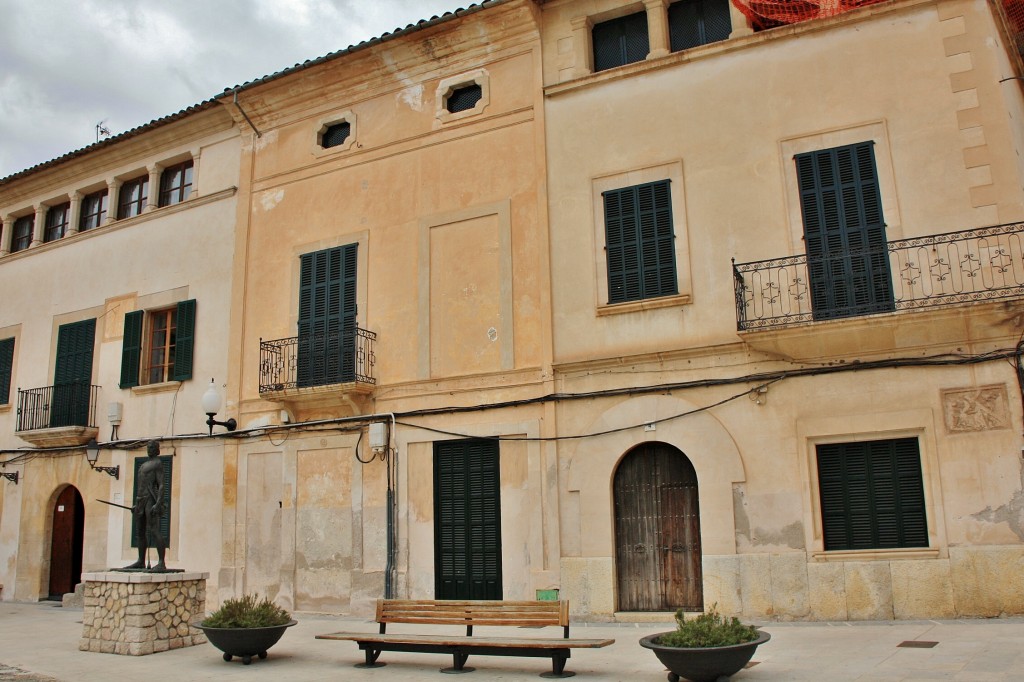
247, 611
709, 629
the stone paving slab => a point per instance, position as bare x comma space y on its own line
39, 643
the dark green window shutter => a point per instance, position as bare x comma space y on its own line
467, 520
640, 242
165, 522
620, 41
844, 231
698, 22
72, 374
872, 495
131, 349
6, 368
327, 316
184, 340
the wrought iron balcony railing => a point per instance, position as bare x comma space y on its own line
985, 264
317, 360
57, 406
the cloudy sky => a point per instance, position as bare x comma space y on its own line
66, 65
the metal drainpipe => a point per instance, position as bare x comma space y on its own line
389, 568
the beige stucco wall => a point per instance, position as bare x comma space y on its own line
156, 259
722, 123
449, 217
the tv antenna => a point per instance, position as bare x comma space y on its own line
102, 130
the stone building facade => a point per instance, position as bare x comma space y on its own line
650, 305
115, 271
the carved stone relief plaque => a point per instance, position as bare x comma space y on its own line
975, 409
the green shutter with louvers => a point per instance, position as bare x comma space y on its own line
165, 522
620, 41
872, 495
467, 520
698, 22
72, 374
844, 231
184, 340
131, 349
640, 242
327, 316
6, 369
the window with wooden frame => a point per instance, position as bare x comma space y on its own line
6, 369
56, 222
21, 232
176, 183
872, 495
158, 345
640, 242
94, 210
620, 41
698, 22
132, 198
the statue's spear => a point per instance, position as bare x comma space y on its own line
114, 504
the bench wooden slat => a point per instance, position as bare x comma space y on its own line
479, 621
469, 614
508, 642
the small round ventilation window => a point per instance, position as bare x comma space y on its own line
336, 134
464, 98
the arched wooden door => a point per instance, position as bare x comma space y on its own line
66, 542
657, 531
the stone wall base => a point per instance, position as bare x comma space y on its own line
135, 614
978, 582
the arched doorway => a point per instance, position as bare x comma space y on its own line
66, 542
657, 531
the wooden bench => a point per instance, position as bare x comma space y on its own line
523, 614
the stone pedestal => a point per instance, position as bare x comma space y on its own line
135, 614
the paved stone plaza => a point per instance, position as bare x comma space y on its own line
39, 642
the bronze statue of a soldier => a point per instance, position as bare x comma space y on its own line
149, 507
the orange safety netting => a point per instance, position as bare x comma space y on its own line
771, 13
1015, 18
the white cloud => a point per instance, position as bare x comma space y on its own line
67, 64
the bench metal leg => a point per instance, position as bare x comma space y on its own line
458, 665
371, 659
558, 667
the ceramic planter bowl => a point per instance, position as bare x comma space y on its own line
705, 664
244, 642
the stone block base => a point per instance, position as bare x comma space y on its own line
134, 614
972, 582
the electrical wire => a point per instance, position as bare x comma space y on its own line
1015, 356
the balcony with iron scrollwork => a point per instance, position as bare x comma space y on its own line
64, 414
318, 368
941, 272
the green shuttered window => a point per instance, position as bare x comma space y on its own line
72, 374
620, 41
467, 520
844, 231
872, 495
135, 347
698, 22
640, 243
165, 522
327, 316
6, 368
